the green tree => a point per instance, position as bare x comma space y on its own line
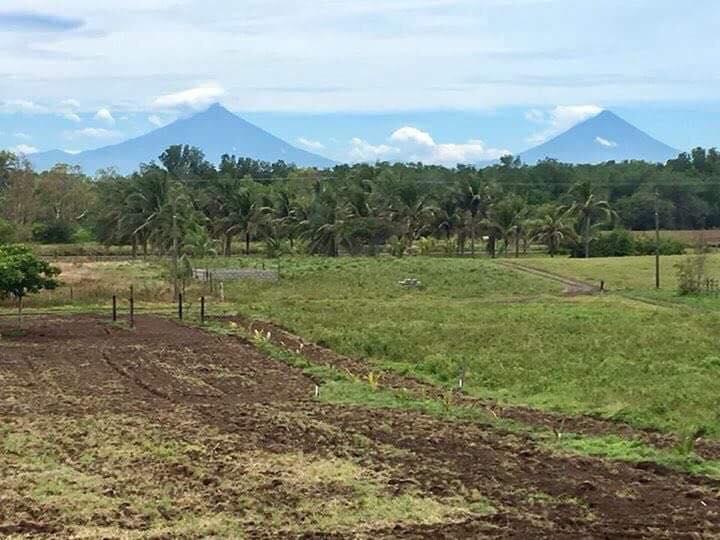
589, 210
552, 229
22, 273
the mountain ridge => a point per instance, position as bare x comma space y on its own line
216, 131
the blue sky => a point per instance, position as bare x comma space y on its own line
359, 80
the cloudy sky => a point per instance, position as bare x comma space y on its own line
355, 80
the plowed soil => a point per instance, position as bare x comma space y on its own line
166, 431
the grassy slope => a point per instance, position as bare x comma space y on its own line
518, 338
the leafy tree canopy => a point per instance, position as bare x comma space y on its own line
22, 273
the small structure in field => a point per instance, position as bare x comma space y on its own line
410, 283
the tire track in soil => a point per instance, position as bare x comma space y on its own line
436, 458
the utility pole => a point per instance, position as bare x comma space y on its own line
657, 240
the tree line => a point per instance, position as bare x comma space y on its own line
184, 204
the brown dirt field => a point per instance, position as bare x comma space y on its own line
167, 431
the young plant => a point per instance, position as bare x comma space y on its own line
373, 379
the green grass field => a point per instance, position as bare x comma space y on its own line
622, 273
519, 339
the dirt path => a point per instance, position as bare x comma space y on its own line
573, 287
235, 415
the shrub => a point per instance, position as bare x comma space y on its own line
53, 233
426, 245
691, 274
7, 232
397, 246
645, 245
275, 248
618, 243
82, 236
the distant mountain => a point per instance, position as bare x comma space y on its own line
215, 131
605, 137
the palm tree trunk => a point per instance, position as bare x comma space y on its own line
517, 246
227, 247
247, 243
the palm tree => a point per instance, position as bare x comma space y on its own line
403, 201
245, 213
552, 229
147, 195
474, 199
506, 221
587, 208
329, 223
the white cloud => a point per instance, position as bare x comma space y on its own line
310, 144
104, 115
156, 121
605, 142
413, 135
93, 133
364, 151
21, 106
418, 145
472, 151
562, 118
73, 117
23, 136
24, 149
194, 98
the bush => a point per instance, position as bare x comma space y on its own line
691, 274
53, 233
397, 246
82, 236
7, 232
620, 243
645, 245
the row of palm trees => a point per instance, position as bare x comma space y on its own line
154, 210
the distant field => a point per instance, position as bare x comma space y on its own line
691, 238
621, 272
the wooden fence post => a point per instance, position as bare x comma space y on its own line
202, 310
132, 306
114, 308
180, 306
